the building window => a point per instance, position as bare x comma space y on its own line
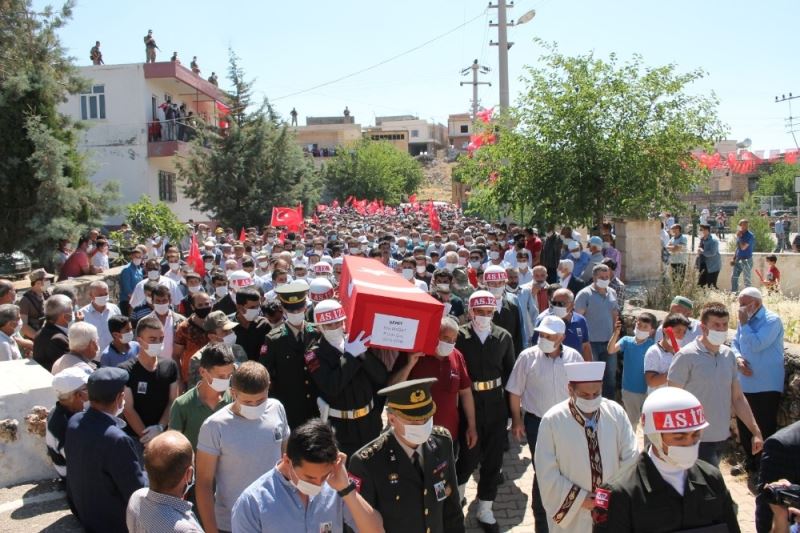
93, 104
167, 189
415, 133
464, 128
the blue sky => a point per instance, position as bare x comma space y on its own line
747, 48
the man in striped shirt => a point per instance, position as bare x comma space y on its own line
70, 385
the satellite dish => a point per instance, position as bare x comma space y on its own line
527, 17
744, 144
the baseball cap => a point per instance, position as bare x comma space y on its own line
218, 319
551, 325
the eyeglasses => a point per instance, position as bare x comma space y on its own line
558, 304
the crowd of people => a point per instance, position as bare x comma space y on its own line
231, 398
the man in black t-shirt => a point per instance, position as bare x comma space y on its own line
152, 385
252, 328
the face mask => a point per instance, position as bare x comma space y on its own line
100, 301
576, 255
717, 338
253, 412
445, 348
467, 242
682, 456
355, 251
229, 339
560, 312
174, 266
522, 265
202, 312
221, 291
219, 384
494, 256
418, 434
335, 337
137, 261
194, 289
482, 323
18, 327
208, 266
161, 309
421, 270
154, 350
309, 489
408, 273
475, 264
153, 275
606, 245
588, 406
120, 409
546, 345
251, 314
602, 283
640, 335
86, 404
462, 261
295, 319
497, 292
450, 266
126, 337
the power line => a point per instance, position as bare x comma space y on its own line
381, 63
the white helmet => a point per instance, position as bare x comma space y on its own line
239, 279
320, 289
323, 268
482, 299
495, 273
672, 410
328, 312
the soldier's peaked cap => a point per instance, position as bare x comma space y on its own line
293, 295
411, 399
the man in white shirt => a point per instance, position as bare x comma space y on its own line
98, 312
537, 383
152, 270
10, 324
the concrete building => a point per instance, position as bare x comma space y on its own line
398, 138
725, 186
423, 136
459, 128
322, 136
128, 138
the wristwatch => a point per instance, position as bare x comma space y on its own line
347, 490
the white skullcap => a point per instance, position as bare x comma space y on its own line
751, 292
587, 371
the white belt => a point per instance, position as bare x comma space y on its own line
481, 386
352, 414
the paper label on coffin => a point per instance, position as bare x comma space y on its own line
397, 331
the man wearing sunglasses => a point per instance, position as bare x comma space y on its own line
576, 337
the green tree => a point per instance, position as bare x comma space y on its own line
779, 181
239, 174
591, 137
375, 170
46, 193
147, 219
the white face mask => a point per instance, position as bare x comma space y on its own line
497, 292
174, 266
251, 314
194, 289
421, 270
136, 261
640, 335
219, 384
546, 345
253, 412
418, 434
560, 312
717, 338
494, 255
450, 266
126, 337
482, 323
462, 261
229, 339
154, 350
602, 283
334, 336
120, 409
153, 275
522, 265
221, 292
576, 255
588, 406
161, 309
295, 319
309, 489
408, 273
209, 266
475, 264
683, 457
443, 287
445, 348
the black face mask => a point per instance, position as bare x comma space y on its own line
202, 313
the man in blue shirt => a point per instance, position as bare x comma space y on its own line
758, 346
577, 334
308, 490
743, 256
129, 277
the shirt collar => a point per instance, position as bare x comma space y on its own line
178, 504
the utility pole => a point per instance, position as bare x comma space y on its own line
792, 125
475, 67
503, 45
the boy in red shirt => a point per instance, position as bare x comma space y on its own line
773, 278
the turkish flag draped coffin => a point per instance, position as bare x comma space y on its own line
393, 312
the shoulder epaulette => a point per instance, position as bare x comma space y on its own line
373, 447
276, 333
442, 432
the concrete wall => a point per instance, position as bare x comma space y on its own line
638, 242
788, 264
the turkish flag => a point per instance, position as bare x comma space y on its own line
433, 217
242, 235
412, 199
285, 216
321, 208
194, 258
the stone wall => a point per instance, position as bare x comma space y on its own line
641, 255
81, 285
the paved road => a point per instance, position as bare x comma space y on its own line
42, 507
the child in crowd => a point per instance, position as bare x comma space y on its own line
773, 278
659, 356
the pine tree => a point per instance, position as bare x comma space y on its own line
46, 194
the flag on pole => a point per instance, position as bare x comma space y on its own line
242, 235
194, 258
